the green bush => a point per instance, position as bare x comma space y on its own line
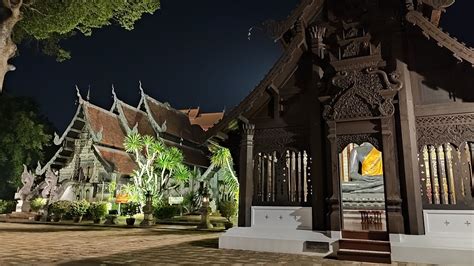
37, 204
228, 208
131, 208
78, 208
59, 208
7, 206
98, 210
166, 211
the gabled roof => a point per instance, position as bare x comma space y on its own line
204, 120
105, 123
171, 121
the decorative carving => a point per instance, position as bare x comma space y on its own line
344, 140
438, 130
317, 35
50, 187
363, 94
279, 139
27, 178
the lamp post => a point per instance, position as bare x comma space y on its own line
205, 222
147, 210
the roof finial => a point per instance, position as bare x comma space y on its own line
88, 96
78, 93
113, 92
141, 88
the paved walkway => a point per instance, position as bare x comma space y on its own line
35, 244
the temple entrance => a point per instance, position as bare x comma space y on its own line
362, 188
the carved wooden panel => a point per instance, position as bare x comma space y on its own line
344, 140
437, 130
280, 139
362, 94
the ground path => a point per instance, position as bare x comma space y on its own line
37, 244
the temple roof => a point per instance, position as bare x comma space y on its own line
107, 124
172, 121
204, 120
119, 160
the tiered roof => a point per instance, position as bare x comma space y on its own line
108, 129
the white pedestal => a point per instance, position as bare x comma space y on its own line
448, 239
282, 230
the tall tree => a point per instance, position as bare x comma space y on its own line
49, 21
24, 136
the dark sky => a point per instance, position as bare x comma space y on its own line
189, 53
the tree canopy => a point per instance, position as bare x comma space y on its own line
47, 22
24, 136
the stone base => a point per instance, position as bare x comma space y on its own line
291, 241
449, 239
280, 229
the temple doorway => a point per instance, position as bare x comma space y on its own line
362, 188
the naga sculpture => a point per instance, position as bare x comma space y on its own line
27, 178
370, 178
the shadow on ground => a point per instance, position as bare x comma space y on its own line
199, 252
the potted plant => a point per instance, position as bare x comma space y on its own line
77, 209
98, 210
228, 208
36, 206
59, 208
130, 209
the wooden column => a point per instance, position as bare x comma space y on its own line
334, 202
393, 200
246, 175
319, 156
411, 171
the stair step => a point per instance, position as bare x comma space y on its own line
364, 256
364, 245
367, 235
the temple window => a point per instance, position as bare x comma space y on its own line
282, 178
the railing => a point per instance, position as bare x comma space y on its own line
447, 176
282, 178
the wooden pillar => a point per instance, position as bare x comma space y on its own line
318, 176
409, 149
393, 200
334, 202
246, 175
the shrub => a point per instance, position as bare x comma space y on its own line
78, 208
166, 211
7, 206
228, 208
98, 210
38, 204
131, 209
59, 208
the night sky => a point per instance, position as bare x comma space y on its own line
189, 53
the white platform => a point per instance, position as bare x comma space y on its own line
448, 239
282, 230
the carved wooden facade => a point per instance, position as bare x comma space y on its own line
357, 72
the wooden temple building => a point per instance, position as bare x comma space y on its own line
91, 154
359, 141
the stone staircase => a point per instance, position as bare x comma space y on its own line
364, 246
